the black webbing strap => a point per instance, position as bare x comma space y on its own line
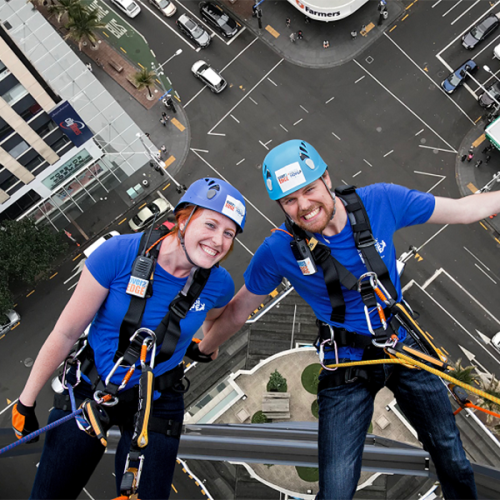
343, 337
363, 236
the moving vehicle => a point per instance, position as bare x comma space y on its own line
146, 215
128, 7
479, 32
167, 8
220, 20
487, 99
496, 340
8, 321
88, 251
211, 78
193, 31
458, 77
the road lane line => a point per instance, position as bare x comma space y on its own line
253, 100
195, 151
272, 82
357, 173
387, 154
448, 11
419, 132
482, 263
437, 149
7, 407
283, 128
422, 71
241, 161
335, 135
331, 99
437, 3
367, 162
244, 97
235, 119
359, 79
264, 145
403, 104
443, 177
303, 108
485, 273
297, 122
465, 12
431, 238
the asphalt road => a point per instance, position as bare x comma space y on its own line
380, 117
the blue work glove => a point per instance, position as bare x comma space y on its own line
24, 421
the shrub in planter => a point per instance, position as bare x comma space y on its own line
277, 383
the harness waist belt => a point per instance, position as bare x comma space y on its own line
343, 337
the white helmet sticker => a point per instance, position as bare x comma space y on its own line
290, 176
234, 209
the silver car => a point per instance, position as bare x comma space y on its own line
128, 7
167, 8
8, 321
211, 78
146, 215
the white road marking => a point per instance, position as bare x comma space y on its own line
235, 119
175, 31
437, 3
443, 177
331, 99
432, 237
419, 132
243, 28
298, 121
241, 161
387, 154
403, 104
264, 145
437, 149
254, 101
194, 97
283, 128
480, 261
359, 79
216, 133
472, 358
335, 135
88, 494
367, 162
448, 11
303, 108
195, 151
357, 173
485, 338
7, 407
272, 82
245, 247
485, 273
465, 12
77, 270
244, 97
425, 73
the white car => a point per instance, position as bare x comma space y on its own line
166, 7
209, 76
496, 340
146, 215
128, 7
8, 321
92, 248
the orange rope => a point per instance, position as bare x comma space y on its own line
279, 229
156, 243
470, 405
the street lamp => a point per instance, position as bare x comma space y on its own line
488, 70
159, 69
154, 158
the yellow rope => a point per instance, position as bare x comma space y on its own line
405, 360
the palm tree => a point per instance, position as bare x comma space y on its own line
71, 8
144, 79
464, 374
491, 387
82, 25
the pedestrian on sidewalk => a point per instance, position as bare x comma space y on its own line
326, 44
163, 122
89, 67
287, 22
300, 36
363, 29
147, 135
292, 37
164, 115
163, 149
354, 34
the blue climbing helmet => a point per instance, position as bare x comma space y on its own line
216, 195
291, 166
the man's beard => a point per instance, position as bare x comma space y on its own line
319, 226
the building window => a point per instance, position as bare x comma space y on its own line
4, 71
19, 149
5, 130
15, 94
34, 163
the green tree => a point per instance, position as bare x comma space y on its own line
464, 374
27, 251
491, 387
82, 26
144, 79
277, 383
71, 8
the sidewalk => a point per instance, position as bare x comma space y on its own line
309, 52
469, 178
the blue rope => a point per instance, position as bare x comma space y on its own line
36, 433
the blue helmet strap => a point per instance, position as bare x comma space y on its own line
181, 236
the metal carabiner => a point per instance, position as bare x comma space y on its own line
148, 343
372, 278
321, 352
105, 399
78, 373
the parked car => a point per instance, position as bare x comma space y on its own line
209, 76
220, 20
128, 7
194, 31
479, 32
487, 99
458, 77
496, 340
92, 248
8, 321
146, 215
496, 51
166, 7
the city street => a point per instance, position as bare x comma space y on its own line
379, 117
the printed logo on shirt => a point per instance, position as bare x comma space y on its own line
290, 176
379, 245
234, 209
198, 306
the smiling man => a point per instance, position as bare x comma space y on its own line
330, 239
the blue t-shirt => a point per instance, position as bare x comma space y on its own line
389, 207
111, 265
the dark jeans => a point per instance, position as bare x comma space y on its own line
345, 413
70, 456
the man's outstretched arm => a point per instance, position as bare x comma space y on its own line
465, 210
231, 320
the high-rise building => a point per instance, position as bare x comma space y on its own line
64, 140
